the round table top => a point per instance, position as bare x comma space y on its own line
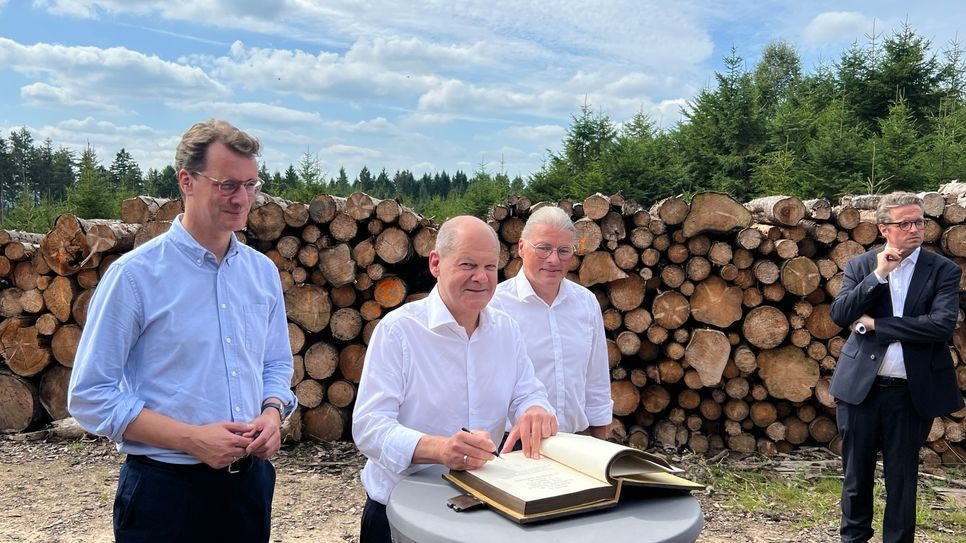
417, 512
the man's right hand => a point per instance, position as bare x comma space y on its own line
887, 260
219, 444
460, 451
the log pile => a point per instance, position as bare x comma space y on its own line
343, 263
717, 312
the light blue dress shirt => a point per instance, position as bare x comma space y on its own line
172, 330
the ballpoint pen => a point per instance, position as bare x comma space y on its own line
495, 453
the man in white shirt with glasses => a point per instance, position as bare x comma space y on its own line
444, 374
562, 324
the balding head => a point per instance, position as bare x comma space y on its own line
464, 229
464, 264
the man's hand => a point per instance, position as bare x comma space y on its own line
460, 451
887, 260
535, 424
867, 321
219, 444
265, 433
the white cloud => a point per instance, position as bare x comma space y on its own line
536, 133
150, 147
460, 96
377, 127
105, 74
44, 95
351, 151
314, 76
414, 55
430, 118
251, 112
834, 26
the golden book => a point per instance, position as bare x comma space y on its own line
574, 474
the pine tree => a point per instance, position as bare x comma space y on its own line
898, 150
126, 176
90, 197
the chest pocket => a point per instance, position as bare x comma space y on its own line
256, 328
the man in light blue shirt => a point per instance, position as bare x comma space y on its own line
185, 360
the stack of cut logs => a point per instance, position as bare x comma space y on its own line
717, 312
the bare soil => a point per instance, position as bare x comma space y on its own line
55, 492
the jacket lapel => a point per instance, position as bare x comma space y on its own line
919, 276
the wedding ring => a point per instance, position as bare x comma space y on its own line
465, 458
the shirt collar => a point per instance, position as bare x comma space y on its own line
912, 259
183, 240
524, 289
439, 316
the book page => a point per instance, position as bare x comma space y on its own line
592, 456
583, 453
534, 479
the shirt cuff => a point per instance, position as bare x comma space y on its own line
286, 396
882, 280
397, 454
601, 416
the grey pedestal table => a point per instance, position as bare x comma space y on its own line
417, 513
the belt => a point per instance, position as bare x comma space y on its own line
884, 381
238, 466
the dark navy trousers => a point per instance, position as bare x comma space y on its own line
160, 502
886, 421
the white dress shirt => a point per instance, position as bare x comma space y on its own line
893, 364
424, 376
566, 342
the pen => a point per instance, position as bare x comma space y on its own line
495, 453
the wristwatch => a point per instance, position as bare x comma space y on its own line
277, 406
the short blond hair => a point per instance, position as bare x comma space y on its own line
887, 203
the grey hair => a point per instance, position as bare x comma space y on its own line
887, 203
448, 235
551, 216
192, 153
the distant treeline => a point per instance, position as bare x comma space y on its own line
888, 115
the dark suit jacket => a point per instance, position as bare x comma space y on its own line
924, 330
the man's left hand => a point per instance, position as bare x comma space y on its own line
267, 433
535, 424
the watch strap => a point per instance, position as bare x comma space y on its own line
277, 406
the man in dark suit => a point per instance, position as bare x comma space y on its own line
895, 373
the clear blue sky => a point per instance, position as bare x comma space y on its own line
418, 85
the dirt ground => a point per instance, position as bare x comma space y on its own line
58, 492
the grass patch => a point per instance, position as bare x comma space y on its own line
810, 497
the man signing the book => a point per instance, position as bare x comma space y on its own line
440, 364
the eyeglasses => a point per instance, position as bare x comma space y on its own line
907, 225
227, 187
544, 251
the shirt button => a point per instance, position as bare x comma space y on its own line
237, 409
234, 373
228, 339
223, 306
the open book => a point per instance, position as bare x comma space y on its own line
575, 474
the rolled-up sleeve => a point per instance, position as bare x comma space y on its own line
96, 398
376, 429
599, 405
